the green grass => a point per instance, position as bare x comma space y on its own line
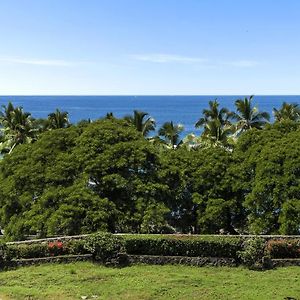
71, 281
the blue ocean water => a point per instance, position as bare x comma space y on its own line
179, 109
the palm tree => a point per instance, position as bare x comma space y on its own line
58, 119
142, 125
171, 133
216, 133
16, 126
213, 113
109, 115
288, 111
216, 123
6, 115
248, 116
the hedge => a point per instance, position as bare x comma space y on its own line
183, 246
45, 249
287, 248
2, 255
103, 244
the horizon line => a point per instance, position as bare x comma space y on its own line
139, 95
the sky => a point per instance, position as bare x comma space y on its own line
149, 47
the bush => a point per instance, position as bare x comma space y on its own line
104, 246
284, 248
56, 248
75, 247
183, 246
36, 250
3, 255
254, 254
16, 251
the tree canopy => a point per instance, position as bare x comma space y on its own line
105, 175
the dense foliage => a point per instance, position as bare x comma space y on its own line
45, 249
57, 178
254, 252
104, 246
183, 246
266, 173
283, 248
3, 256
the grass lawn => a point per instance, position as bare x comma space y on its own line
72, 281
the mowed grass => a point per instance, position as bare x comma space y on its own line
74, 280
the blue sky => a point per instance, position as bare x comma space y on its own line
153, 47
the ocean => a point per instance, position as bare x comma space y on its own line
185, 110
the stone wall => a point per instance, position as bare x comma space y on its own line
50, 259
182, 260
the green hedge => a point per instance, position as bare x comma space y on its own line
3, 257
27, 251
45, 249
254, 254
166, 245
284, 248
183, 246
161, 245
104, 246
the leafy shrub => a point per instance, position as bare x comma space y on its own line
254, 254
75, 247
56, 248
35, 250
183, 246
104, 246
3, 255
284, 248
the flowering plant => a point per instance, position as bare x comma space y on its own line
283, 248
55, 248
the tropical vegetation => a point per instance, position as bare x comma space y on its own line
241, 175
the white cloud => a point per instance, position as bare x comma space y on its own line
37, 62
173, 58
242, 63
167, 58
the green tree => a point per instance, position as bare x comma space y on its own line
16, 126
101, 176
58, 119
142, 122
122, 167
6, 115
175, 172
248, 116
216, 204
289, 218
217, 134
109, 115
287, 112
43, 191
216, 124
213, 113
154, 218
266, 175
171, 134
